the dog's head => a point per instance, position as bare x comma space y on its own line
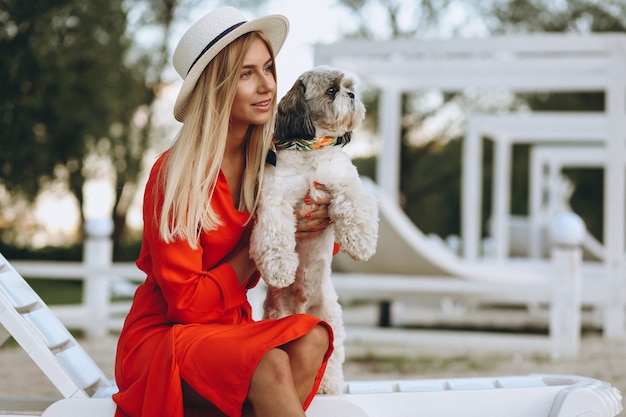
322, 102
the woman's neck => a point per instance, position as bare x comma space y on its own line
236, 136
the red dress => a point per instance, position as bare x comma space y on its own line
190, 319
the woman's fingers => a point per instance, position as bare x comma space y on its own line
312, 218
312, 211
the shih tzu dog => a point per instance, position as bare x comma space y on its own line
315, 120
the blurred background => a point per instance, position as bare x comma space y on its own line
87, 88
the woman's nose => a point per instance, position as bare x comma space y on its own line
267, 83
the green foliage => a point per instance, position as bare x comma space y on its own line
514, 16
73, 253
425, 17
366, 166
65, 84
127, 251
70, 93
430, 185
54, 291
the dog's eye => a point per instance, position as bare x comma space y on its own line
331, 92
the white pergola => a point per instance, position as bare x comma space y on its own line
532, 63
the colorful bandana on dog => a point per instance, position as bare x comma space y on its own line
300, 145
306, 144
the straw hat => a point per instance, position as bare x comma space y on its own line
208, 36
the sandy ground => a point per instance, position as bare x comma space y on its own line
414, 354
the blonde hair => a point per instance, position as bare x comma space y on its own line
193, 165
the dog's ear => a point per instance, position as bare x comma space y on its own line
293, 119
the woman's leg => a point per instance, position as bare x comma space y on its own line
272, 390
284, 377
281, 381
305, 357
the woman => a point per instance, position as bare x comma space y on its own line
189, 346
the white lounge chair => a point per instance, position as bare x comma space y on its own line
525, 396
25, 316
87, 391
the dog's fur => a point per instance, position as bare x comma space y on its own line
298, 273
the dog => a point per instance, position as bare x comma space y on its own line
315, 119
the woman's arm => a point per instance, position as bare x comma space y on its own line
195, 290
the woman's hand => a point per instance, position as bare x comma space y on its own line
313, 217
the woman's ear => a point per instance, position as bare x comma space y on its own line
293, 119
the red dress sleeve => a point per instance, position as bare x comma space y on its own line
196, 284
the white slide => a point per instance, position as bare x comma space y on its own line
409, 264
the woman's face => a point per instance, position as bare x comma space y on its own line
256, 88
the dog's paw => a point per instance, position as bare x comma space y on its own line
281, 272
360, 246
278, 281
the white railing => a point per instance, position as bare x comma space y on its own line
97, 313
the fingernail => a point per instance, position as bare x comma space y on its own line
308, 215
307, 200
315, 183
313, 229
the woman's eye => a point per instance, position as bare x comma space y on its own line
269, 68
246, 74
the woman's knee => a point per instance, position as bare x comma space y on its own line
274, 367
309, 350
319, 339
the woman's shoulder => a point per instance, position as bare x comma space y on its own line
160, 161
157, 167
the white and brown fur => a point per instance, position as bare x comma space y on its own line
298, 272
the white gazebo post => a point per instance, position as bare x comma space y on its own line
471, 198
567, 232
501, 203
388, 167
615, 205
97, 257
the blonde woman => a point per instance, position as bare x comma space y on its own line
189, 346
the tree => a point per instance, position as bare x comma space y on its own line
134, 139
67, 90
583, 16
404, 19
80, 95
